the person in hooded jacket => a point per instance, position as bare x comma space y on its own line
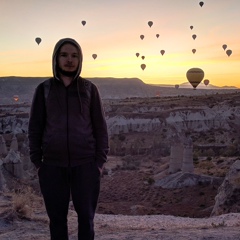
68, 142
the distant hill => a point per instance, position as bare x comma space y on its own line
200, 86
110, 88
209, 86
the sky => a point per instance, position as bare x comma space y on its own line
112, 31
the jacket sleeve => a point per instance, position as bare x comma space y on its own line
99, 127
36, 126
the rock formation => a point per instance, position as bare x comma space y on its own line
13, 163
180, 180
187, 164
3, 147
176, 155
14, 143
228, 198
2, 180
181, 156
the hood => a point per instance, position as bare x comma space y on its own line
56, 50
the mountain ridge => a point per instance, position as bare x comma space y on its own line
109, 88
133, 79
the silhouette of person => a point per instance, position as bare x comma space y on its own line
68, 142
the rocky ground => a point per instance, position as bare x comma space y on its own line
121, 227
133, 192
130, 207
128, 192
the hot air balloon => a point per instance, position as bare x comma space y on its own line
201, 3
143, 57
38, 40
224, 46
94, 56
137, 54
194, 36
157, 94
83, 23
142, 37
229, 52
206, 82
177, 86
157, 35
162, 52
143, 66
191, 27
15, 98
193, 50
150, 23
195, 76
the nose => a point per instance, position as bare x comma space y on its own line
69, 59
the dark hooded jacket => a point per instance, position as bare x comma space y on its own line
68, 128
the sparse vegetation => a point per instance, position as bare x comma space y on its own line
150, 180
129, 163
207, 165
221, 224
22, 203
209, 158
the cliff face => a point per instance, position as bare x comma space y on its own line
199, 115
143, 119
227, 199
196, 119
181, 120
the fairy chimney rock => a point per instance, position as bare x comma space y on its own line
14, 143
18, 170
13, 163
187, 164
3, 147
228, 198
2, 179
176, 155
12, 157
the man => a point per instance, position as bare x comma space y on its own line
68, 142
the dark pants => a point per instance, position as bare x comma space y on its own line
83, 183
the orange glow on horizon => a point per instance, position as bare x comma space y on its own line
116, 42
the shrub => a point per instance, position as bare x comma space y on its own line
22, 203
209, 158
121, 137
150, 181
230, 151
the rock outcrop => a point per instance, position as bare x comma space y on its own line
176, 158
3, 147
150, 116
181, 155
2, 179
180, 179
228, 198
13, 163
187, 164
14, 143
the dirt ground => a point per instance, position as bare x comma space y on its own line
132, 192
129, 193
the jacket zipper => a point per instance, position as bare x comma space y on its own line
69, 161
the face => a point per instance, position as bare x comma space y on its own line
68, 58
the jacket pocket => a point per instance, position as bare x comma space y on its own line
82, 146
55, 147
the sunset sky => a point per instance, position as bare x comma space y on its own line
113, 30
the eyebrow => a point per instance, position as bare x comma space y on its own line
64, 52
